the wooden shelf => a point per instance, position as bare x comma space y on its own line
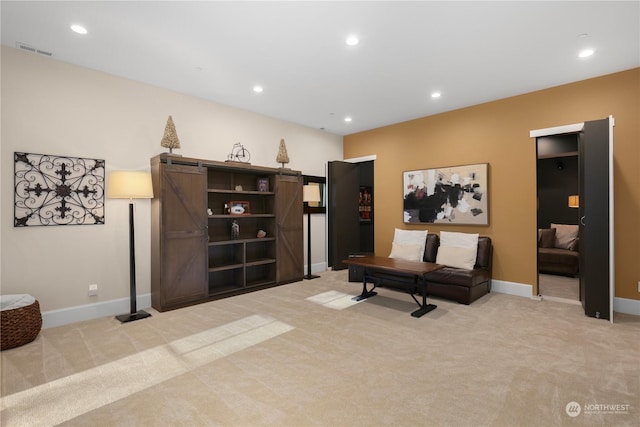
225, 267
260, 262
236, 216
194, 258
257, 193
259, 283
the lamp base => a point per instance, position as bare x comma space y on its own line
310, 276
130, 317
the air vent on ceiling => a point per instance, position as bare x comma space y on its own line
32, 49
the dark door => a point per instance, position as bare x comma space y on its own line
343, 216
184, 235
289, 212
595, 181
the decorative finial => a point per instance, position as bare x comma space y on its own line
170, 139
283, 157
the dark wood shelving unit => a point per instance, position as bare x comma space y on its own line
194, 255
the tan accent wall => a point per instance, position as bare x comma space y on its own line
498, 133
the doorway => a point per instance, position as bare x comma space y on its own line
595, 201
351, 210
557, 178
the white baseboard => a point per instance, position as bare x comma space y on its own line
79, 313
318, 267
511, 288
620, 305
627, 306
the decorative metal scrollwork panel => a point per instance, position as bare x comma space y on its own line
57, 190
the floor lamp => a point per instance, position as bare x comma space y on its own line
310, 193
131, 185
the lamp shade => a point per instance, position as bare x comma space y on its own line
311, 193
129, 185
574, 201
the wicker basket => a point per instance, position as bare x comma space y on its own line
20, 326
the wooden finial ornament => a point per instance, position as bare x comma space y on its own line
283, 157
170, 139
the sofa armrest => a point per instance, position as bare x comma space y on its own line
575, 245
431, 248
484, 258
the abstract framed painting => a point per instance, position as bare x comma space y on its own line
447, 195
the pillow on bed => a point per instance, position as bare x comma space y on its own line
458, 249
408, 251
411, 237
566, 235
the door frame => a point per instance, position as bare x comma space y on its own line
579, 128
329, 209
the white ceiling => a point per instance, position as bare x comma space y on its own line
472, 52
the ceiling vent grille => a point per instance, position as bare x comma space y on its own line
32, 49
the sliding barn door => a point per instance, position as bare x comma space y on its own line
596, 218
342, 209
289, 212
179, 246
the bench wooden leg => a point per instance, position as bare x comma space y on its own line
424, 307
365, 292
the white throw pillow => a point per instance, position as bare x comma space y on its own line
454, 256
407, 251
464, 245
411, 237
566, 235
461, 240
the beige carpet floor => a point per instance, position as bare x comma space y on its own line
305, 354
559, 286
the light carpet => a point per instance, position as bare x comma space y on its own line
559, 286
305, 354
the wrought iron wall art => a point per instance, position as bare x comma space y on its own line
58, 190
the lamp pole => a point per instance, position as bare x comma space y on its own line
310, 193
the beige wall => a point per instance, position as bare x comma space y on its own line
50, 107
498, 133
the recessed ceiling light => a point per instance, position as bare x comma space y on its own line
436, 95
347, 119
352, 41
76, 28
586, 53
257, 89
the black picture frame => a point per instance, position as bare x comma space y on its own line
321, 206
